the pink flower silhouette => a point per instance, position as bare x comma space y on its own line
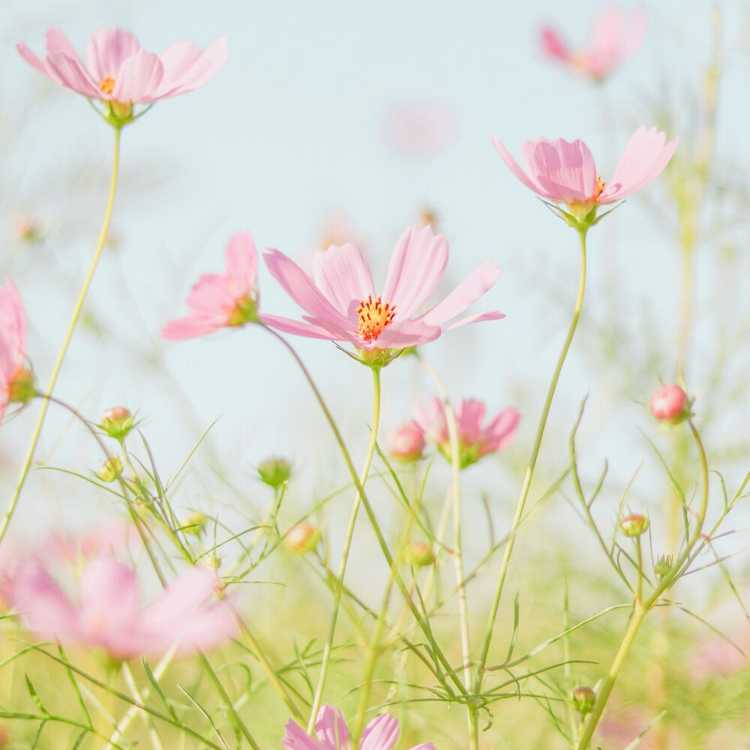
227, 300
564, 172
476, 439
107, 613
342, 305
331, 733
407, 442
616, 35
118, 69
16, 380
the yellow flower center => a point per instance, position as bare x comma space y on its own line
599, 188
374, 315
107, 85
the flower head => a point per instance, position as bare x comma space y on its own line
564, 172
475, 439
342, 305
407, 443
16, 379
117, 422
107, 612
119, 72
302, 538
670, 404
226, 300
616, 35
331, 733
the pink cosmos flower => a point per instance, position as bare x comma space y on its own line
16, 380
227, 300
616, 35
564, 172
119, 70
475, 439
107, 613
331, 733
342, 305
407, 443
109, 538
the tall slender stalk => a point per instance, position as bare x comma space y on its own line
531, 467
67, 339
341, 574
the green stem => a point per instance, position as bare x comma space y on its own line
531, 468
75, 317
340, 576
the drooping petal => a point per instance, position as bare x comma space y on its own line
187, 67
58, 43
108, 50
500, 431
342, 274
332, 730
417, 265
380, 734
69, 71
139, 78
190, 327
303, 328
518, 172
478, 283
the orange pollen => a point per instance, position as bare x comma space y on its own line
599, 188
107, 85
374, 315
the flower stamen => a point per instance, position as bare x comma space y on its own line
374, 315
107, 85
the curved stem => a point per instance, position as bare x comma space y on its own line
72, 325
531, 467
341, 574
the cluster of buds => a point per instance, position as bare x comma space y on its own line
275, 471
302, 538
117, 422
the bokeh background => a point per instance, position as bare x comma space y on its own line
356, 118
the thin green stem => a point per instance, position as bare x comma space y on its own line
341, 574
72, 325
531, 467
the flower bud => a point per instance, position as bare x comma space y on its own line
419, 554
28, 230
194, 524
407, 443
583, 699
275, 471
117, 422
111, 470
21, 388
670, 404
663, 566
302, 538
634, 525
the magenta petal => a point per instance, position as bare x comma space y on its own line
12, 331
295, 738
380, 734
108, 50
423, 746
139, 78
342, 274
553, 45
331, 729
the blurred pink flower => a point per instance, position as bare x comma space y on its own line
332, 734
616, 35
110, 538
118, 69
16, 380
225, 300
564, 172
407, 443
107, 613
715, 657
341, 303
421, 129
475, 440
339, 230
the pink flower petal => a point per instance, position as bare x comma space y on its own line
70, 73
107, 52
187, 67
303, 328
139, 78
331, 729
242, 261
566, 171
517, 171
295, 738
343, 276
476, 318
553, 45
380, 734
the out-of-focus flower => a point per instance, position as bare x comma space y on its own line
621, 726
421, 129
419, 554
111, 470
109, 538
117, 422
616, 35
564, 172
16, 379
275, 471
670, 404
339, 230
342, 305
29, 230
227, 300
475, 439
119, 72
194, 524
331, 733
107, 613
302, 538
407, 443
634, 524
716, 657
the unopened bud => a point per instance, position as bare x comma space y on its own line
663, 566
407, 443
21, 388
670, 404
419, 554
302, 538
111, 470
117, 422
634, 524
28, 230
583, 699
275, 471
195, 524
